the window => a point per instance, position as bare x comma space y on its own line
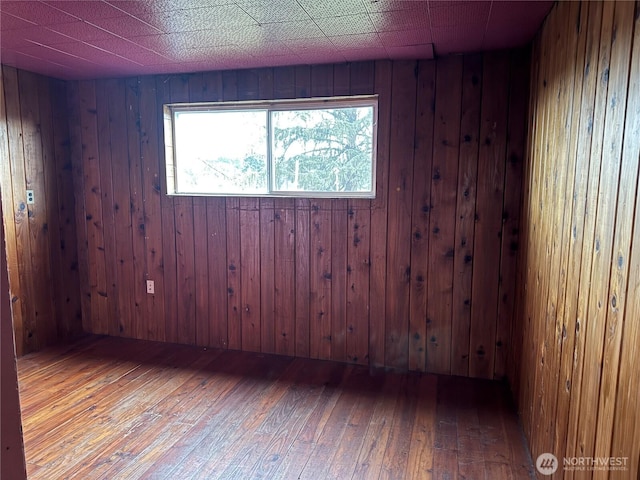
314, 148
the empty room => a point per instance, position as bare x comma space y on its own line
309, 239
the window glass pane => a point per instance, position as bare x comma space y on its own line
323, 150
221, 151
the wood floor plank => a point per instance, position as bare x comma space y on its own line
118, 408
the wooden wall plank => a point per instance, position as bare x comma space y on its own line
465, 213
609, 188
626, 423
595, 129
41, 247
131, 211
99, 316
50, 223
420, 208
320, 277
583, 99
623, 230
577, 286
250, 274
11, 210
37, 213
403, 101
151, 227
339, 253
122, 200
444, 181
105, 152
77, 165
303, 252
516, 139
379, 215
491, 165
558, 176
284, 276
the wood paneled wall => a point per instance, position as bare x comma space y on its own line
41, 237
411, 279
579, 274
12, 462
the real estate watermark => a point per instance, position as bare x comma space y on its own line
548, 464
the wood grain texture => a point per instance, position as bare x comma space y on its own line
465, 213
398, 256
247, 273
576, 294
187, 412
444, 182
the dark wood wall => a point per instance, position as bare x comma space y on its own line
41, 237
411, 279
579, 276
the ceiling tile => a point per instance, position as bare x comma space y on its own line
10, 22
391, 5
37, 12
32, 35
399, 38
81, 31
55, 55
444, 14
269, 12
359, 41
125, 26
174, 42
117, 45
293, 30
308, 45
345, 25
120, 37
224, 52
193, 19
450, 40
93, 54
413, 19
146, 57
87, 10
332, 8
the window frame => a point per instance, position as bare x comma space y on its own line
314, 103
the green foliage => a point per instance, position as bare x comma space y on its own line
323, 150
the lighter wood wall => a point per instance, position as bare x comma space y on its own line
579, 274
12, 462
408, 280
41, 238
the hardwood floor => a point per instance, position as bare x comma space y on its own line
115, 408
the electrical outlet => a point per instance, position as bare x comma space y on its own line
151, 287
30, 198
